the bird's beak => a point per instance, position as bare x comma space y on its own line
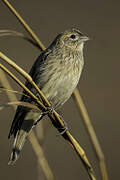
85, 38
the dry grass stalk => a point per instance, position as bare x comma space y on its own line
8, 32
40, 155
19, 103
21, 20
2, 89
91, 132
4, 81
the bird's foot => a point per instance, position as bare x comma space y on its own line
62, 130
50, 110
43, 113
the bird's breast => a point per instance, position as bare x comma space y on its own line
61, 80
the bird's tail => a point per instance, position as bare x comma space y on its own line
18, 144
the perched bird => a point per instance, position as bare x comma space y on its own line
56, 72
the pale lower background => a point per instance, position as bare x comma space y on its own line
99, 85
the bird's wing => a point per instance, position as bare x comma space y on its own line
22, 111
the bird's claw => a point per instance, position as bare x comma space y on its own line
62, 130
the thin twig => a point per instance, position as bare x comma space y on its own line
20, 103
4, 81
21, 20
57, 122
7, 32
2, 89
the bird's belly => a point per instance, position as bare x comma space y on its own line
59, 88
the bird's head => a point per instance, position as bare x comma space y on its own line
72, 39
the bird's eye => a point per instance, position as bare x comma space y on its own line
73, 36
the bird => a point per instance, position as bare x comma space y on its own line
56, 72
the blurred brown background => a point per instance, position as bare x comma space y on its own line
99, 85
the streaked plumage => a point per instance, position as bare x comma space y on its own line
56, 72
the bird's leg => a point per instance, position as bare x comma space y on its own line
49, 110
37, 121
43, 113
62, 130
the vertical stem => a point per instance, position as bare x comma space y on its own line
86, 120
41, 157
